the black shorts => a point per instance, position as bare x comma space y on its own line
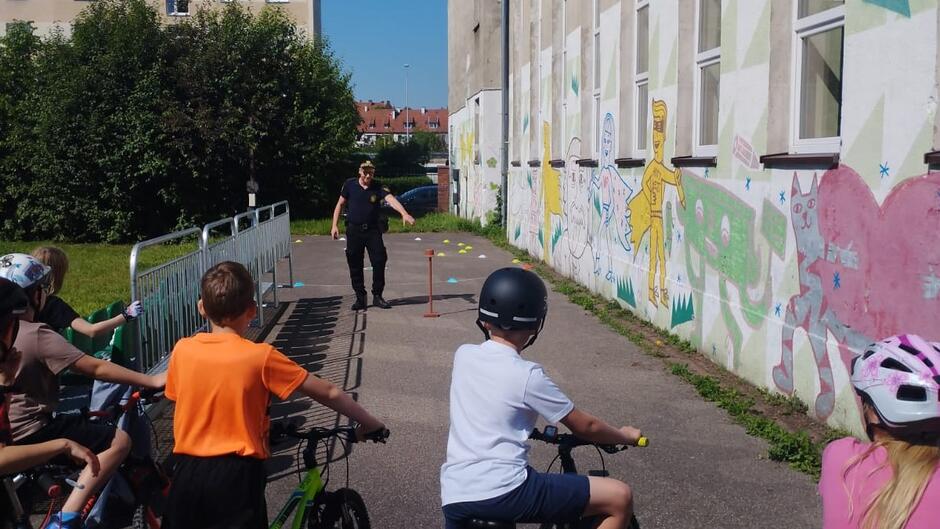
224, 492
94, 436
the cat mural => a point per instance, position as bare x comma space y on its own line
865, 271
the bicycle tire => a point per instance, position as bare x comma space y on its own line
345, 509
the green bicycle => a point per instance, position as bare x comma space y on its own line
316, 507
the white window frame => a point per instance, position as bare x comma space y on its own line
640, 79
596, 79
803, 28
177, 13
703, 59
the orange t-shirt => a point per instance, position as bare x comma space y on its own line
222, 385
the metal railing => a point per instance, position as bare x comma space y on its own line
169, 292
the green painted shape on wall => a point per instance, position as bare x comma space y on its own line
914, 160
556, 236
625, 291
671, 73
726, 140
862, 16
518, 232
574, 85
866, 150
759, 139
773, 226
610, 89
758, 51
901, 7
682, 310
541, 238
729, 37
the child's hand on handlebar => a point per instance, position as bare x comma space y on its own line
631, 435
80, 454
377, 434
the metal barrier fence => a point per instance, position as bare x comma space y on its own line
169, 291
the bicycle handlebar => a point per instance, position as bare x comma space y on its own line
317, 434
147, 396
571, 441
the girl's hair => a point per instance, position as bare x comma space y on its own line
55, 258
912, 466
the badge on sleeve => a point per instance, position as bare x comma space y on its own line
373, 198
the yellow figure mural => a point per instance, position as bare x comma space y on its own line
647, 206
551, 188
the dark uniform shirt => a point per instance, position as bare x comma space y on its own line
362, 205
57, 314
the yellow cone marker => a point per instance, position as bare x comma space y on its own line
446, 241
468, 247
516, 261
462, 251
298, 240
440, 254
460, 244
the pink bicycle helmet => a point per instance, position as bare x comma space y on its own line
900, 378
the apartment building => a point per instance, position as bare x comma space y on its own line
45, 15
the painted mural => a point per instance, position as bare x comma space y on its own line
780, 275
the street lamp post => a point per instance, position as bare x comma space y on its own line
407, 114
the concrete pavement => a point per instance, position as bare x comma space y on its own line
701, 470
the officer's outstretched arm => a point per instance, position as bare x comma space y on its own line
396, 205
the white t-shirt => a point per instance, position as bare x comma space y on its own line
495, 398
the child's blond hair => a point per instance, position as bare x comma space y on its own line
55, 258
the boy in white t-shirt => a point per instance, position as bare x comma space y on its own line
496, 397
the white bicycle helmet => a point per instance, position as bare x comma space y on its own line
24, 270
900, 378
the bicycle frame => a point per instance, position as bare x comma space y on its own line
303, 498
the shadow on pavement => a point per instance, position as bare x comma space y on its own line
327, 339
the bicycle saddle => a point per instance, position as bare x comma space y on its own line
475, 523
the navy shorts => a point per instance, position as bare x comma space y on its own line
540, 498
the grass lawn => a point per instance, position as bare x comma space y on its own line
99, 274
435, 222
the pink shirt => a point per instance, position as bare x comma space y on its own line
835, 498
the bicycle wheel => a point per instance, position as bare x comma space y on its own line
344, 509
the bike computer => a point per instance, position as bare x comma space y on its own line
550, 431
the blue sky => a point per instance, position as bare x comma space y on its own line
374, 38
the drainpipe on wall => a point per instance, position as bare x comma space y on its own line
504, 185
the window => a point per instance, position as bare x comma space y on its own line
596, 75
642, 76
177, 7
707, 78
817, 75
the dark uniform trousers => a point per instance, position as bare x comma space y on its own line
361, 237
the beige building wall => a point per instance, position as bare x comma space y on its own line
45, 15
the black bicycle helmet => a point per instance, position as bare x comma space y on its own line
513, 299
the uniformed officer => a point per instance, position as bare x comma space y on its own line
364, 198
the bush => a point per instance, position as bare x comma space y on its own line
130, 129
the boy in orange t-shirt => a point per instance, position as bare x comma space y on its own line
222, 385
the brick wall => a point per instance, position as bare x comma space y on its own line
443, 189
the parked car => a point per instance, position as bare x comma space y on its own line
418, 201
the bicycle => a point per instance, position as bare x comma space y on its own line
142, 485
316, 507
566, 443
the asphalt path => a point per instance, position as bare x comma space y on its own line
700, 470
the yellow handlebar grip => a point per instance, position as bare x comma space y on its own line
642, 441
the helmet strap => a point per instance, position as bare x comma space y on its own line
535, 335
486, 332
